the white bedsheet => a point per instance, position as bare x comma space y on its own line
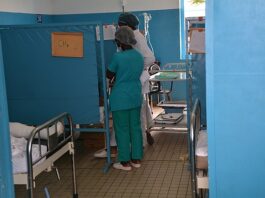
202, 144
22, 130
19, 156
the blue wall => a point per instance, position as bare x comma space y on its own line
235, 75
163, 28
41, 86
164, 31
10, 18
6, 177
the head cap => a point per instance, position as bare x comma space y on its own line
125, 36
128, 19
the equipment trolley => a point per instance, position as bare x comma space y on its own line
178, 121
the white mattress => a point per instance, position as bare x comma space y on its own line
202, 144
19, 156
22, 130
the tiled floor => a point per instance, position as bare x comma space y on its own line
164, 173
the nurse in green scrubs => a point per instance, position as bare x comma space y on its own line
126, 99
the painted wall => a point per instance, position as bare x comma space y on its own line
6, 178
24, 12
41, 86
235, 76
163, 27
102, 6
10, 18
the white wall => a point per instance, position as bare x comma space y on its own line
101, 6
83, 6
26, 6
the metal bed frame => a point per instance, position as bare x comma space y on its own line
55, 149
199, 180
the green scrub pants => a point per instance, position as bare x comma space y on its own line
128, 134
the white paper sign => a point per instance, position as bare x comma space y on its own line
108, 31
197, 41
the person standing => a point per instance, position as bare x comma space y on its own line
130, 20
126, 100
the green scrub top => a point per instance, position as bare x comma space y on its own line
126, 91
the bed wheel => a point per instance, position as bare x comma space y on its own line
149, 138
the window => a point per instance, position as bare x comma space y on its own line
194, 8
188, 8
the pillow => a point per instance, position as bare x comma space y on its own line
22, 130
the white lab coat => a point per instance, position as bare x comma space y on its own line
149, 58
144, 49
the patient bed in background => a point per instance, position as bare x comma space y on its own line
40, 148
199, 154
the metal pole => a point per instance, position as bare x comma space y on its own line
75, 194
105, 95
29, 164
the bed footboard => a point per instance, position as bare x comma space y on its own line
62, 144
199, 177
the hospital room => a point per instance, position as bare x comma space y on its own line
130, 98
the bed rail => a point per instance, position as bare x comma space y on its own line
55, 149
195, 124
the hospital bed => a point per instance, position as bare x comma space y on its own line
199, 154
45, 144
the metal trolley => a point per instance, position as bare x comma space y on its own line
174, 122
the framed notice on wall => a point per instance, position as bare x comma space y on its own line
67, 44
197, 40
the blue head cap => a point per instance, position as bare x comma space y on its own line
128, 19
